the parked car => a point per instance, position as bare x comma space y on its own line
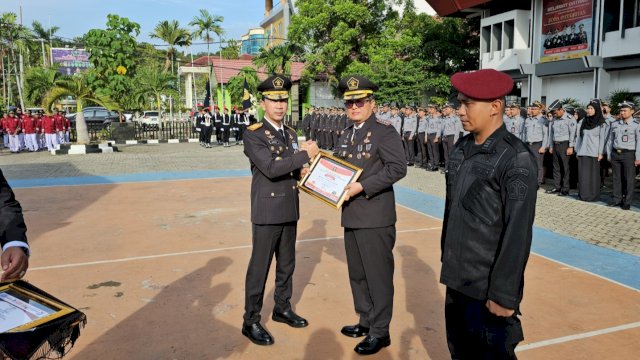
95, 116
150, 119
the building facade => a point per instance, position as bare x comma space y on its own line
277, 15
556, 49
253, 41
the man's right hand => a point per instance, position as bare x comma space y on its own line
541, 151
311, 147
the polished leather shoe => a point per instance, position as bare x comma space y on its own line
355, 331
371, 345
552, 191
626, 207
614, 204
563, 193
257, 334
290, 318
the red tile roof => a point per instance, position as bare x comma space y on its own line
226, 69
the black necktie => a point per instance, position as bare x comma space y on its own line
282, 133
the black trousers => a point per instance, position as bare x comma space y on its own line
561, 165
410, 151
335, 139
474, 333
422, 150
268, 240
447, 144
588, 178
307, 134
434, 150
535, 148
226, 132
206, 134
370, 263
240, 132
624, 175
219, 133
201, 134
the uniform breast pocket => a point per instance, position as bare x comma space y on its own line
483, 202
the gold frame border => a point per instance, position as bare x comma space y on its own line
357, 172
62, 309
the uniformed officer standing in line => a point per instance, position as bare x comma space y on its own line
240, 121
384, 113
395, 119
369, 214
409, 133
313, 124
320, 130
535, 133
514, 122
276, 160
422, 161
562, 135
623, 151
488, 220
450, 130
306, 124
591, 140
217, 124
434, 124
341, 124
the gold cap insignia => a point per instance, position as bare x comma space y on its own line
353, 83
278, 83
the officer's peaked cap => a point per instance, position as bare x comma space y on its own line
356, 87
275, 87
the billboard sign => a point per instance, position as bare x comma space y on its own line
567, 29
70, 61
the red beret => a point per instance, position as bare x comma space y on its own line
485, 84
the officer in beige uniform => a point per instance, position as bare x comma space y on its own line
369, 214
276, 160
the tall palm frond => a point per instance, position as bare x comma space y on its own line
171, 33
207, 24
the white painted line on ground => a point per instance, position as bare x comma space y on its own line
584, 335
193, 252
133, 181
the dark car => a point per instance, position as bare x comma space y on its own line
95, 117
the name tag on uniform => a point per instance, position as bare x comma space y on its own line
625, 138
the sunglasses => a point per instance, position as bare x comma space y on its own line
358, 103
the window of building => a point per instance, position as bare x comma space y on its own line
611, 17
496, 41
508, 34
485, 39
630, 14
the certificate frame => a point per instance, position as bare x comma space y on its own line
55, 308
320, 165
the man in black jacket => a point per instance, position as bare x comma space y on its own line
13, 235
490, 206
369, 213
276, 161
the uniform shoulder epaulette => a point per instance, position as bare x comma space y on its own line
383, 122
255, 126
636, 121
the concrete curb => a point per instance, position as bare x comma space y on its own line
84, 149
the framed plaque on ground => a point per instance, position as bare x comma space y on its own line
327, 178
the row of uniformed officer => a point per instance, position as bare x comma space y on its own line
623, 150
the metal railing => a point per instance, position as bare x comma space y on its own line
176, 129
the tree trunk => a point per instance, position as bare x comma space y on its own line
82, 132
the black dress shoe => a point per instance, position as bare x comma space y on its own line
614, 204
355, 331
563, 193
626, 207
290, 318
552, 191
257, 334
371, 345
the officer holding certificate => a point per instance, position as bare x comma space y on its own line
276, 160
369, 212
13, 235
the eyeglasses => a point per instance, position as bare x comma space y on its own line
358, 103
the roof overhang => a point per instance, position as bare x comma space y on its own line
449, 7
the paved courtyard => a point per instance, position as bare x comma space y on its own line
152, 244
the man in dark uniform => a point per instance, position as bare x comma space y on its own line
369, 214
13, 235
217, 123
488, 219
276, 161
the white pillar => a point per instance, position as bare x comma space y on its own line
188, 91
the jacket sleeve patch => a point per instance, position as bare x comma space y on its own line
517, 190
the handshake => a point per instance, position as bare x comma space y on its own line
311, 147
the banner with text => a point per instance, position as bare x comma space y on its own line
567, 29
70, 61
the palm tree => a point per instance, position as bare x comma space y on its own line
171, 33
277, 59
38, 81
151, 82
40, 32
77, 86
235, 86
207, 24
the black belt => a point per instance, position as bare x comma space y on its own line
447, 136
560, 142
535, 143
620, 151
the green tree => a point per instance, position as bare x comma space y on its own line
206, 25
38, 81
112, 54
277, 59
152, 83
232, 50
236, 84
78, 87
171, 33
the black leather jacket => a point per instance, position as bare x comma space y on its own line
488, 219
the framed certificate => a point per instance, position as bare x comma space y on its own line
327, 178
22, 309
